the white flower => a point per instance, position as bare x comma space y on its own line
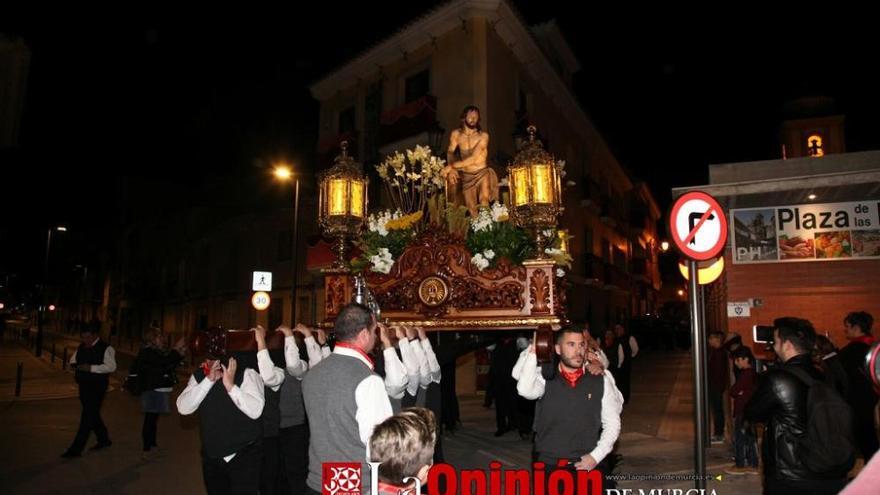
560, 272
553, 251
382, 262
488, 254
498, 211
480, 262
548, 233
413, 176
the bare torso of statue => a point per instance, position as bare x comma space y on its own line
468, 176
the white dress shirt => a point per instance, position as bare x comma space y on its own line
109, 365
396, 378
433, 364
530, 385
371, 399
411, 363
634, 345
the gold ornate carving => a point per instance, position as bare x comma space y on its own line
433, 291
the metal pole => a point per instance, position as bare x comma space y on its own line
295, 253
705, 365
699, 379
18, 372
39, 350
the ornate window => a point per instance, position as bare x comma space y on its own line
815, 145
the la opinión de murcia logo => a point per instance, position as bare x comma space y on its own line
344, 478
341, 478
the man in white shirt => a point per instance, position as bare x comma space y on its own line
229, 420
345, 399
93, 360
577, 417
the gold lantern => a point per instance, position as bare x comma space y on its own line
342, 202
535, 190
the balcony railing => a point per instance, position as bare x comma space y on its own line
407, 120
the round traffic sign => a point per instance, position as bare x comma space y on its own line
698, 226
260, 300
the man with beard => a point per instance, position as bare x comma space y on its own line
344, 397
577, 417
467, 171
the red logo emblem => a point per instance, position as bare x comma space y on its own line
341, 478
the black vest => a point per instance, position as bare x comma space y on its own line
272, 411
627, 351
568, 421
92, 355
224, 428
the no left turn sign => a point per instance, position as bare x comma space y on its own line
698, 226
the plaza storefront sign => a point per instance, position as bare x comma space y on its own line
810, 232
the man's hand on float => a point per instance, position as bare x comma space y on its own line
260, 337
587, 463
229, 374
285, 330
383, 336
304, 330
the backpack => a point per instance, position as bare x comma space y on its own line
829, 444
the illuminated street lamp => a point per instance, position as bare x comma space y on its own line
39, 340
285, 173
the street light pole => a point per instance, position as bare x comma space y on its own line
295, 253
42, 301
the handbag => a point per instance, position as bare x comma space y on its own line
132, 384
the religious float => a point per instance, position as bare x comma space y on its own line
429, 261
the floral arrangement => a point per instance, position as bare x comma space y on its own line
492, 236
387, 235
412, 178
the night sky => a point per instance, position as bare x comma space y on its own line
181, 100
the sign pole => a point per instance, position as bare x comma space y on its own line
704, 336
699, 379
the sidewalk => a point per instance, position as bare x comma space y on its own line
41, 380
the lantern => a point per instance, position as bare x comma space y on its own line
535, 190
342, 202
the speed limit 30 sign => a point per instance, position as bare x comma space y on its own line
698, 226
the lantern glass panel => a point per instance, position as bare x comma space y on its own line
357, 198
519, 179
543, 184
337, 196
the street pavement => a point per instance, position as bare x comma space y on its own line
36, 428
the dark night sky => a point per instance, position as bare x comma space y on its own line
189, 98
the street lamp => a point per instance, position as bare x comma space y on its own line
284, 173
39, 350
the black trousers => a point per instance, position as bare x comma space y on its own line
149, 430
239, 476
865, 432
295, 457
91, 396
270, 469
716, 402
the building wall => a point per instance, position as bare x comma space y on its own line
822, 292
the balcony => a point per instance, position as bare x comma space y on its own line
590, 195
594, 270
410, 119
616, 279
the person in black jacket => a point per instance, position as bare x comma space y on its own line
781, 402
154, 367
862, 397
93, 361
827, 359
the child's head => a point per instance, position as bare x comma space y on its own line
743, 358
404, 445
716, 340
